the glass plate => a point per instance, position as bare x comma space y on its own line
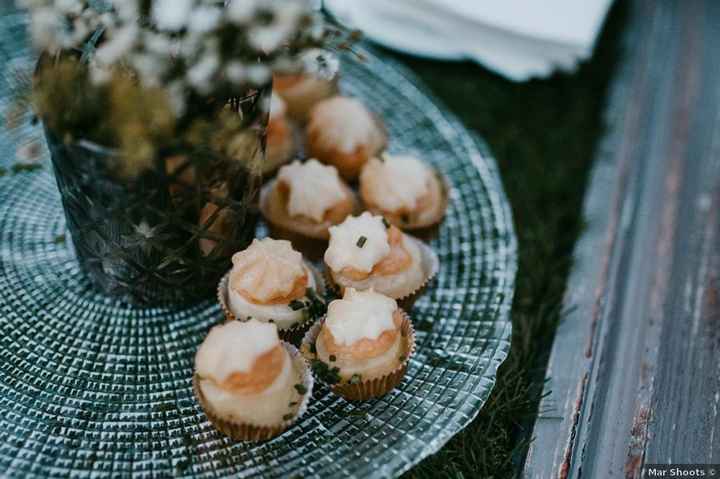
92, 386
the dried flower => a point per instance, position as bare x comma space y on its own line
139, 74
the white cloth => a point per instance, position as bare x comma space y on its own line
519, 39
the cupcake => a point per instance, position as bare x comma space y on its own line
343, 133
250, 384
318, 81
362, 346
404, 190
271, 282
304, 201
280, 137
366, 252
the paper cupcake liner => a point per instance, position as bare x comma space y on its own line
370, 388
406, 300
240, 431
426, 230
294, 333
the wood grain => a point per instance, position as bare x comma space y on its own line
634, 374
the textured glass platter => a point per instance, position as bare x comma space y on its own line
92, 386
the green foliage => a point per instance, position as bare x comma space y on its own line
543, 135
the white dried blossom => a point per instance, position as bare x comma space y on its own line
46, 27
119, 43
171, 15
176, 96
204, 19
69, 7
235, 72
126, 10
200, 75
150, 68
258, 74
180, 47
157, 43
241, 11
99, 74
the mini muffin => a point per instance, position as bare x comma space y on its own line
403, 189
271, 282
280, 137
318, 81
362, 346
343, 133
366, 252
250, 384
304, 201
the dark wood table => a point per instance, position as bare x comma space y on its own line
634, 375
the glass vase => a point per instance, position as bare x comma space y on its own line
167, 235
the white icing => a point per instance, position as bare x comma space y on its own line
234, 347
283, 316
343, 250
267, 269
345, 124
396, 285
360, 315
314, 188
265, 408
396, 182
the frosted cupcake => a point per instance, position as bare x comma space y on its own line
366, 252
318, 82
271, 282
304, 201
362, 346
280, 137
404, 190
250, 384
343, 133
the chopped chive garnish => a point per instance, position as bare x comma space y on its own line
292, 403
385, 222
325, 373
361, 241
287, 417
22, 167
296, 305
301, 389
355, 379
316, 306
333, 358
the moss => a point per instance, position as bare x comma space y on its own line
543, 134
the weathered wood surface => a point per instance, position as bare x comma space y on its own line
634, 375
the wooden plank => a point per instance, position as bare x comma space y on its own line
634, 376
